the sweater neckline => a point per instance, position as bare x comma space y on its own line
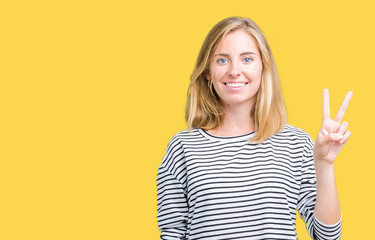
226, 139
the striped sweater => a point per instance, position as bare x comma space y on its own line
226, 188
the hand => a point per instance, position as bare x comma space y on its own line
332, 135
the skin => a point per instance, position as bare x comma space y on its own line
238, 60
332, 136
232, 65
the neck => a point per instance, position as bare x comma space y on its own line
237, 121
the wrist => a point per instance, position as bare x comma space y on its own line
324, 162
325, 172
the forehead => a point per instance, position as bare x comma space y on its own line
237, 41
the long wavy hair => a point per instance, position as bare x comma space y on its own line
203, 105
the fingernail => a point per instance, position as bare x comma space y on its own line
325, 132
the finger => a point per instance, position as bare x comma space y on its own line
326, 110
346, 137
325, 133
331, 137
344, 106
343, 127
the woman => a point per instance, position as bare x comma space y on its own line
240, 171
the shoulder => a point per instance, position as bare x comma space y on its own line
181, 138
185, 136
291, 130
293, 133
293, 137
174, 155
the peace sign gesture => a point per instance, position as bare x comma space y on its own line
332, 135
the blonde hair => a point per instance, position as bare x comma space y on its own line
203, 106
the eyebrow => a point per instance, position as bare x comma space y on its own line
227, 55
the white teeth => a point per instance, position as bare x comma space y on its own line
235, 84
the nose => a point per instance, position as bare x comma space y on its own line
235, 69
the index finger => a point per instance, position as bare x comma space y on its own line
343, 107
326, 110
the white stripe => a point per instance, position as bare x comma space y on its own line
221, 188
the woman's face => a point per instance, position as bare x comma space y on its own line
237, 69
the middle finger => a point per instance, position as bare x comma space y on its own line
343, 107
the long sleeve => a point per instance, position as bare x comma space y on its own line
172, 204
307, 198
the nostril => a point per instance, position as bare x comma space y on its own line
234, 74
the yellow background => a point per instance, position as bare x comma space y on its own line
92, 91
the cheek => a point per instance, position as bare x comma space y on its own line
219, 72
254, 73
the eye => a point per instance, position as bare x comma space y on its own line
247, 60
222, 60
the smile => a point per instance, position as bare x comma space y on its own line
235, 85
